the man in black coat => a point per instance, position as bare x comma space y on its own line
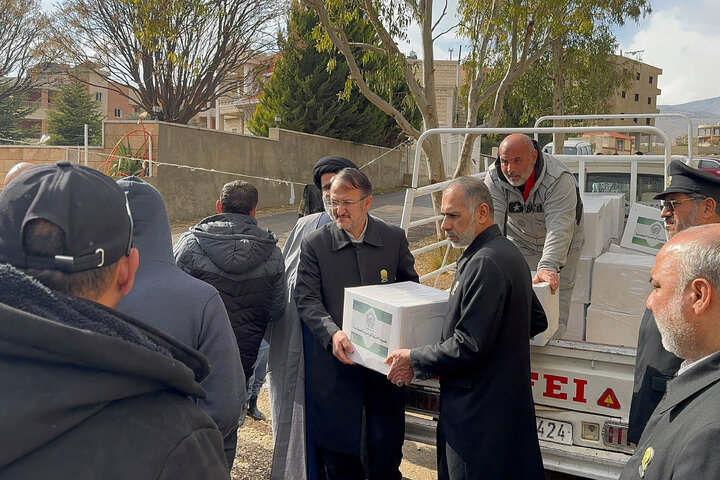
355, 416
681, 437
487, 421
691, 198
88, 392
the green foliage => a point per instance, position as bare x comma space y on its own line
127, 163
75, 107
12, 111
312, 91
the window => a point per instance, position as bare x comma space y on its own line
647, 121
637, 76
98, 96
620, 145
622, 95
649, 100
637, 97
118, 113
650, 79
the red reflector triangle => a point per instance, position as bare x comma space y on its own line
608, 399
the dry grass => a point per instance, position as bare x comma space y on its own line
432, 260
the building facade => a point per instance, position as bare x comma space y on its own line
111, 104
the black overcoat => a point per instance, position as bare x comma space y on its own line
682, 435
487, 418
330, 262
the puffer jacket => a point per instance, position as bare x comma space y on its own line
91, 393
550, 221
243, 262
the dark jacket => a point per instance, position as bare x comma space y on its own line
329, 263
184, 307
684, 430
654, 368
231, 253
486, 413
91, 393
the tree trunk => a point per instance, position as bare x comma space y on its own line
558, 106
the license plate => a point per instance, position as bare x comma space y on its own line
554, 431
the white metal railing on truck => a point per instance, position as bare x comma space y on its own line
414, 191
622, 116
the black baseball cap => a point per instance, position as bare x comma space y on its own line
87, 205
683, 178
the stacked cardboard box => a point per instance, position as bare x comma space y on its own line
620, 289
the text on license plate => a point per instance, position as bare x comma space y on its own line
554, 431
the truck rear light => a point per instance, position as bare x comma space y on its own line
590, 431
614, 434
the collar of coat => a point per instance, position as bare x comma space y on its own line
485, 236
685, 386
339, 238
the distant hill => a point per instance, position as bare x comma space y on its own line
701, 112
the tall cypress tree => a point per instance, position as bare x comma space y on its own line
75, 108
307, 96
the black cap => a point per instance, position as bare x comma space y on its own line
330, 164
89, 207
683, 178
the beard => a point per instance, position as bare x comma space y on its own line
463, 239
679, 337
692, 219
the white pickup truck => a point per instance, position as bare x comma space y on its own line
582, 390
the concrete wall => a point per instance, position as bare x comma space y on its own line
286, 155
191, 192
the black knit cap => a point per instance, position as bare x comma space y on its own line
683, 178
89, 207
329, 164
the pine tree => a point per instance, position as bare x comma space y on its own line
12, 112
304, 95
75, 108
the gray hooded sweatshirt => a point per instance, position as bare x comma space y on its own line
184, 307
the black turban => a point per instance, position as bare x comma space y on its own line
330, 164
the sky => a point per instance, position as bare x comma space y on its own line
681, 37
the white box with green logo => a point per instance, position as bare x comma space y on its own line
644, 231
379, 319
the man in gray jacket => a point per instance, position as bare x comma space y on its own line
538, 207
185, 308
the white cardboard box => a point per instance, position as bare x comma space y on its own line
615, 209
379, 319
621, 282
644, 231
612, 328
628, 251
551, 306
576, 322
581, 290
597, 236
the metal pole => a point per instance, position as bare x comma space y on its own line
86, 144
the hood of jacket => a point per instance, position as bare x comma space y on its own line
65, 358
151, 226
234, 242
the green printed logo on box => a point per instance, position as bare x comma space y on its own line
649, 233
370, 328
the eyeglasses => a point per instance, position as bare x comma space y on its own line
671, 205
345, 203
